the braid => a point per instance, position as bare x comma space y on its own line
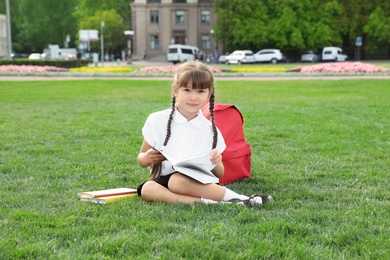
170, 121
211, 108
156, 168
156, 171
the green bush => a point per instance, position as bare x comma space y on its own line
56, 63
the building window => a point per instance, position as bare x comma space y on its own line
179, 17
154, 42
205, 16
206, 43
179, 1
153, 1
153, 16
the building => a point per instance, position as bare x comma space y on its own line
3, 36
159, 23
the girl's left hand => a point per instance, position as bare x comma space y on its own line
215, 157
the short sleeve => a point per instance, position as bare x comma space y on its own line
148, 131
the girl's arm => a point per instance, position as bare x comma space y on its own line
216, 158
148, 155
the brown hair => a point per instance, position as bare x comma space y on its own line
201, 77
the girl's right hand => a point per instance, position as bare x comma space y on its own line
148, 155
153, 156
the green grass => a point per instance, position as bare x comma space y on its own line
321, 148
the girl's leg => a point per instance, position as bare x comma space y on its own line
181, 184
183, 189
152, 191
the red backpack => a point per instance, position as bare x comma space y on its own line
237, 155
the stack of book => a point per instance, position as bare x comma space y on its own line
107, 196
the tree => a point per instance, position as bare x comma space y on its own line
90, 7
44, 22
327, 27
289, 28
113, 29
378, 29
241, 23
116, 15
285, 24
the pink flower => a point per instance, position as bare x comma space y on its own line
342, 67
30, 68
169, 69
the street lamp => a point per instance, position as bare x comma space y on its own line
9, 40
212, 38
215, 45
102, 43
67, 40
129, 36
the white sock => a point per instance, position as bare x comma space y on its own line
208, 201
229, 195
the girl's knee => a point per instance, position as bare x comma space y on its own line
179, 183
149, 190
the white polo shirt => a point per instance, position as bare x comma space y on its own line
188, 138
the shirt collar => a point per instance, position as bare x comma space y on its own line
180, 119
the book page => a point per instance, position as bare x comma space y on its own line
198, 168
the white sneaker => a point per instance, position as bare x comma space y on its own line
254, 201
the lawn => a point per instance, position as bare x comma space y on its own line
320, 148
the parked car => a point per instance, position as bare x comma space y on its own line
177, 53
45, 56
333, 54
310, 56
34, 56
269, 55
222, 58
240, 57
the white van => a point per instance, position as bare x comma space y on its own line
181, 53
333, 54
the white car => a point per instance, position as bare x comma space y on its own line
34, 56
269, 55
310, 56
240, 57
222, 59
333, 54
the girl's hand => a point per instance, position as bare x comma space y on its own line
153, 156
148, 155
215, 156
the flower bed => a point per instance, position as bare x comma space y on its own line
31, 68
341, 67
102, 69
258, 69
169, 69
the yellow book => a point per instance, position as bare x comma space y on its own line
108, 199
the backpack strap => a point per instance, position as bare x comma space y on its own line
219, 107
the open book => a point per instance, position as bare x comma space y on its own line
198, 168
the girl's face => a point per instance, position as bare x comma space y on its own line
190, 101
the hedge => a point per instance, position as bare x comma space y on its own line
56, 63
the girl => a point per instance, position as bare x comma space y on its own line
183, 132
